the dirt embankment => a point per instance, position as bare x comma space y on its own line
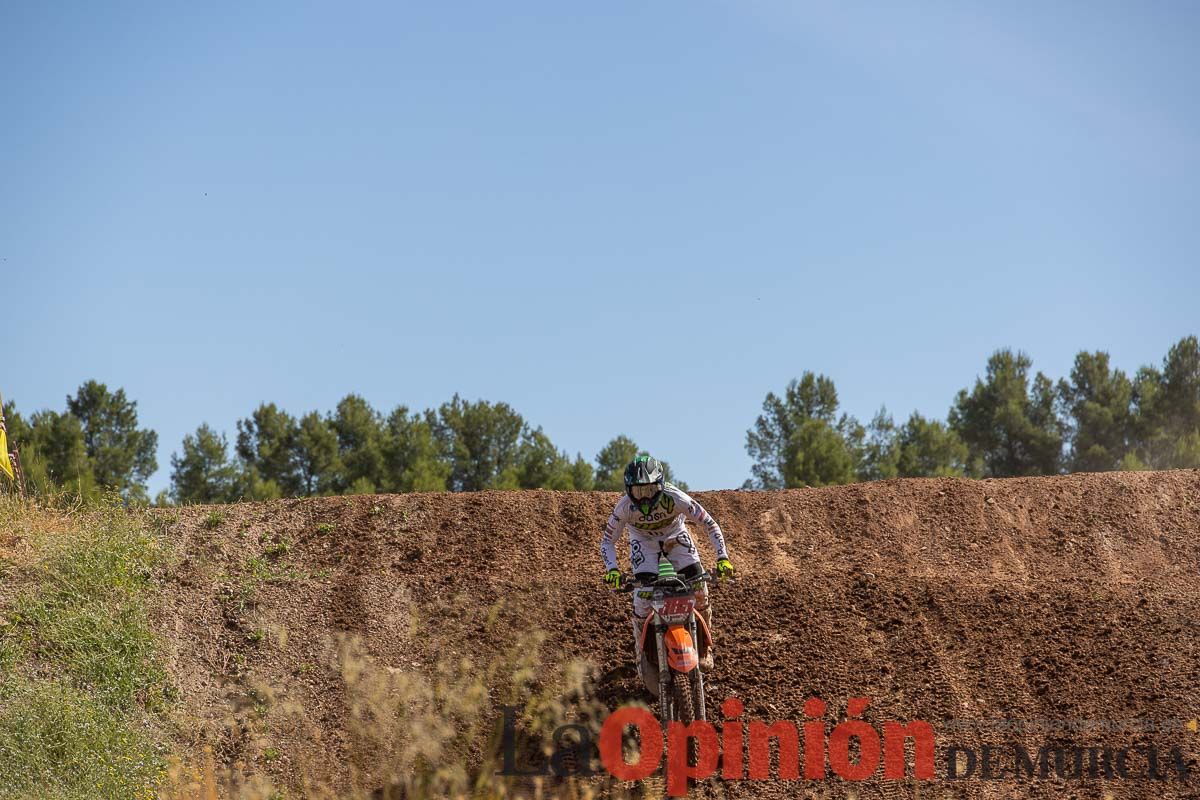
1072, 598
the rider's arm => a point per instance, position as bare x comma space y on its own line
612, 532
698, 515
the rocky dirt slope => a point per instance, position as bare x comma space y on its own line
1067, 598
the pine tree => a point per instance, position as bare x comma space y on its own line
412, 460
266, 443
480, 441
1009, 425
1098, 401
1167, 409
120, 454
315, 455
359, 430
204, 473
54, 456
799, 439
929, 449
611, 462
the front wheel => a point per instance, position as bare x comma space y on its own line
683, 698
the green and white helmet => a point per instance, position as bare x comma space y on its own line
644, 480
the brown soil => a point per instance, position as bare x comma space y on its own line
1067, 598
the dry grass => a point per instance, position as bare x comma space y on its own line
434, 734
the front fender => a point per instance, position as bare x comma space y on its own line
681, 651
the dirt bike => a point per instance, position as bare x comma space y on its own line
670, 644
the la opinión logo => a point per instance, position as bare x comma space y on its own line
823, 749
852, 750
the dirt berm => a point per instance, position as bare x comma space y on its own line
1053, 601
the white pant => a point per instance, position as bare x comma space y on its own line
678, 548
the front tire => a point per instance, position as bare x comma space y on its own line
683, 701
682, 697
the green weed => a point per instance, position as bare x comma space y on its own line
277, 549
78, 667
63, 743
84, 613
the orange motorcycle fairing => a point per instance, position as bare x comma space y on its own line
704, 627
681, 652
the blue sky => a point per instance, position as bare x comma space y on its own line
620, 218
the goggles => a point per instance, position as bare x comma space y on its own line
643, 491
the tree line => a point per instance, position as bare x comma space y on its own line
92, 445
1010, 422
95, 445
460, 446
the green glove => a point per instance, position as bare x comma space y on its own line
724, 568
613, 578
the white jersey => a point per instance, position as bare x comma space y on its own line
665, 519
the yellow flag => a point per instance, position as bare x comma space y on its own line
5, 464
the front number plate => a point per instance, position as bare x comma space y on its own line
677, 606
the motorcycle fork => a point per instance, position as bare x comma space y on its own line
664, 671
699, 684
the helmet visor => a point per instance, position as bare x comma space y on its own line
643, 491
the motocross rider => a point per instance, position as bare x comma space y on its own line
654, 510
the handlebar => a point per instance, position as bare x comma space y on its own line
631, 582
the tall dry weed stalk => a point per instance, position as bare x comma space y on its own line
432, 733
